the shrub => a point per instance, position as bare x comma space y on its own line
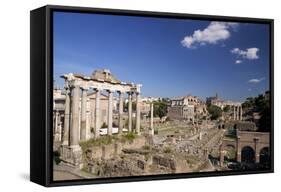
167, 150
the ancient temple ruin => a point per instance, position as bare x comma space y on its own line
77, 87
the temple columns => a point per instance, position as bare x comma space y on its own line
56, 121
138, 113
66, 118
83, 114
130, 111
109, 117
120, 124
92, 114
241, 112
237, 113
97, 114
234, 113
75, 151
74, 131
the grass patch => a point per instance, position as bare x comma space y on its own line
146, 147
104, 140
129, 136
230, 137
191, 160
167, 149
107, 140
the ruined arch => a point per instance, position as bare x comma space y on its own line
248, 155
264, 156
230, 152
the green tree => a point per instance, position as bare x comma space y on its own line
265, 112
226, 108
160, 108
215, 111
260, 104
126, 106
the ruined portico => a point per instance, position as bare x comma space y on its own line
77, 88
237, 112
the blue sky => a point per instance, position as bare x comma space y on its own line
170, 57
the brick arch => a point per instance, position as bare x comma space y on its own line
255, 140
247, 144
250, 155
264, 157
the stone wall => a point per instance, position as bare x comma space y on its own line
112, 150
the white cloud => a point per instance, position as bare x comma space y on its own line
238, 61
216, 31
256, 80
250, 53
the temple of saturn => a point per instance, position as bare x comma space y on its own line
77, 87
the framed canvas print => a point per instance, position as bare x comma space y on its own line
122, 95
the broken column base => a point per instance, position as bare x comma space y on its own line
72, 155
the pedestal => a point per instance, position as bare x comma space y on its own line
72, 155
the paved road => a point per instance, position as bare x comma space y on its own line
63, 175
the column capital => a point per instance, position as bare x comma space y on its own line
109, 90
84, 88
120, 92
66, 87
67, 90
73, 84
97, 89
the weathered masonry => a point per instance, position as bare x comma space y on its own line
237, 112
77, 87
253, 143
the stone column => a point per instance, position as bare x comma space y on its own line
74, 128
83, 114
120, 122
66, 118
234, 113
241, 112
109, 116
130, 111
56, 122
60, 131
92, 114
257, 151
138, 114
151, 119
238, 147
97, 114
237, 113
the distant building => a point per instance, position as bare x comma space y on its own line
183, 108
144, 108
220, 102
150, 99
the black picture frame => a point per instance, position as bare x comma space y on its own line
41, 89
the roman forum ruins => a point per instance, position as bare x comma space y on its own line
237, 112
96, 107
77, 88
